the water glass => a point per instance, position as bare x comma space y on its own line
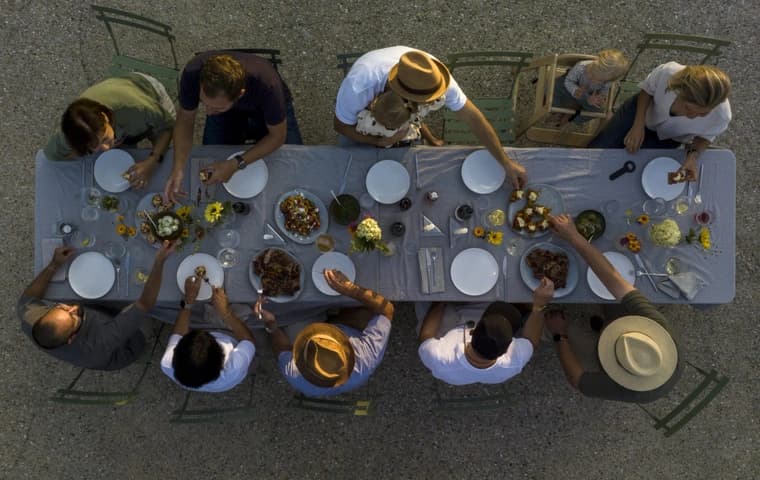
83, 239
228, 257
514, 246
90, 196
325, 243
366, 201
89, 213
654, 207
680, 205
114, 250
228, 238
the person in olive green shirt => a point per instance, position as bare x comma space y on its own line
117, 111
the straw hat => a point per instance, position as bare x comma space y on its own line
637, 353
324, 355
419, 77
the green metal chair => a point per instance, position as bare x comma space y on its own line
121, 63
72, 395
706, 49
708, 388
500, 111
346, 61
468, 397
246, 411
358, 403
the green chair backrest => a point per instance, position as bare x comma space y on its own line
245, 411
346, 60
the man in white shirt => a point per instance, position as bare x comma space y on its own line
487, 353
208, 361
420, 78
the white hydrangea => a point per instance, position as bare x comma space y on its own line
369, 230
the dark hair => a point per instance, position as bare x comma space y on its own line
46, 335
198, 359
222, 75
492, 336
82, 122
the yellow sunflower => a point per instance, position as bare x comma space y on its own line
121, 229
213, 212
120, 218
184, 212
185, 232
479, 232
131, 231
495, 238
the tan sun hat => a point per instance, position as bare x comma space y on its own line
637, 353
419, 77
324, 355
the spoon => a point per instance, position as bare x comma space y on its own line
117, 266
698, 196
641, 273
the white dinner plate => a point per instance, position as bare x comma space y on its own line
548, 196
250, 181
387, 181
109, 168
622, 264
654, 179
331, 260
572, 270
91, 275
214, 272
482, 173
256, 280
474, 271
324, 217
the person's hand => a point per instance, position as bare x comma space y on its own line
140, 172
62, 255
556, 323
633, 139
167, 248
173, 189
517, 175
597, 99
220, 172
563, 226
266, 316
338, 281
192, 287
543, 293
397, 137
220, 302
578, 93
689, 168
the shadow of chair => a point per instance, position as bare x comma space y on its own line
449, 398
500, 111
122, 63
244, 411
359, 403
709, 386
346, 61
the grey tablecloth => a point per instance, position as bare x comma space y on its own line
580, 175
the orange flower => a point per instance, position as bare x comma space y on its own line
131, 231
121, 229
642, 219
479, 232
120, 218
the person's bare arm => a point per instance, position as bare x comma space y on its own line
535, 323
239, 329
153, 285
377, 141
370, 299
432, 321
474, 118
563, 226
37, 288
140, 172
693, 151
571, 366
192, 287
183, 142
635, 136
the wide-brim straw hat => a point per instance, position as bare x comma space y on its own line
419, 77
324, 355
637, 353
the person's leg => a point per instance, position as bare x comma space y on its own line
226, 128
294, 132
651, 140
618, 127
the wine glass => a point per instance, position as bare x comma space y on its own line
228, 238
325, 243
654, 207
83, 239
114, 250
228, 257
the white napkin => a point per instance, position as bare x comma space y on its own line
689, 283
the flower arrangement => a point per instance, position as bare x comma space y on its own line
125, 231
217, 212
494, 237
367, 236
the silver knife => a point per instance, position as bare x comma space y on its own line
345, 174
504, 273
417, 171
641, 265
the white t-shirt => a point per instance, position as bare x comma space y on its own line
237, 359
679, 128
446, 360
367, 79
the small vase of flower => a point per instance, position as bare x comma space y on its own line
367, 236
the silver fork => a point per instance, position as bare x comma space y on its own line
117, 266
433, 258
698, 196
260, 291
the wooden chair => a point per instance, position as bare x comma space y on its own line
547, 69
121, 63
708, 388
242, 412
498, 110
346, 61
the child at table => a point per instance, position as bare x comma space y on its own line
586, 85
389, 112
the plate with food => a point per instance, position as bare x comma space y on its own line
529, 209
156, 219
622, 264
110, 170
474, 271
387, 181
301, 216
204, 266
278, 272
91, 275
482, 173
659, 181
590, 224
330, 260
248, 182
552, 261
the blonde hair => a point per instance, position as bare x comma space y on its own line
610, 64
222, 75
702, 85
391, 110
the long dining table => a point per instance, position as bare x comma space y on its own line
581, 176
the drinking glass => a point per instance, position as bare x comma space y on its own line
90, 196
366, 201
496, 217
680, 205
610, 207
228, 238
514, 246
228, 257
140, 276
114, 250
325, 243
83, 239
89, 213
654, 207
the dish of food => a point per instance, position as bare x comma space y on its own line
590, 224
203, 263
278, 273
655, 179
158, 209
336, 260
666, 233
301, 216
110, 170
552, 261
529, 209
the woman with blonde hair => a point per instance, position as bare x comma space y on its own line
677, 105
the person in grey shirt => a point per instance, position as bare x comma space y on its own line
88, 336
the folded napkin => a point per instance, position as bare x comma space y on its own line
431, 270
686, 283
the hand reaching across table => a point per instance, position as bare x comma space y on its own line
192, 287
141, 172
220, 172
173, 189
